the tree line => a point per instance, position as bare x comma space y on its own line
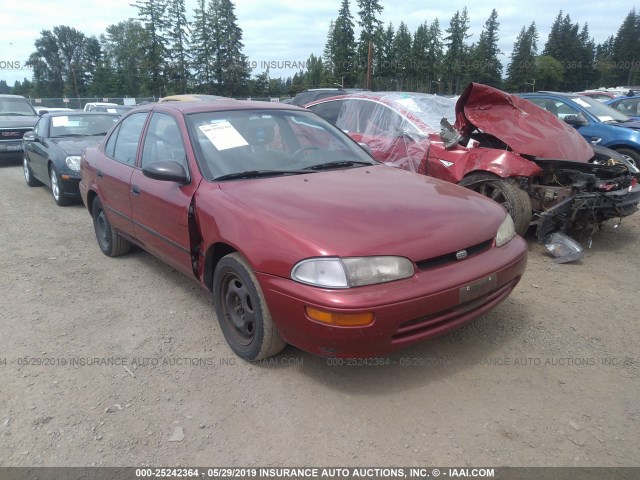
161, 52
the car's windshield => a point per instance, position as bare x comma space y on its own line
15, 106
81, 125
603, 112
258, 143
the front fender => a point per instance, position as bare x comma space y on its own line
454, 165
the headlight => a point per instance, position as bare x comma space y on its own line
73, 162
506, 231
351, 272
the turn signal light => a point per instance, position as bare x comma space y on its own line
340, 319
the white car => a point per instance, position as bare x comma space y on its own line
92, 105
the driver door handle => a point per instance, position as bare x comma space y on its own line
135, 190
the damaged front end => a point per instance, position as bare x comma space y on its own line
581, 196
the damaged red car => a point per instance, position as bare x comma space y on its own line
300, 236
502, 146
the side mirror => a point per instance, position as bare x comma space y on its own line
167, 171
42, 112
30, 136
576, 120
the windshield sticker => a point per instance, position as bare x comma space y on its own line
582, 103
112, 110
60, 121
223, 135
605, 118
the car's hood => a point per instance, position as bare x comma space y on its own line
76, 145
635, 124
526, 128
375, 210
18, 121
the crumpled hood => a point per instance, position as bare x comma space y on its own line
526, 128
76, 145
369, 210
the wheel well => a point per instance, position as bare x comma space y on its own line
627, 147
90, 196
213, 255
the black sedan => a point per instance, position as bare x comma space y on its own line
52, 150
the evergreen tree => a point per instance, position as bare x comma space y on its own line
456, 60
626, 51
232, 68
201, 49
522, 70
435, 54
402, 56
327, 53
386, 64
419, 51
486, 65
343, 47
152, 13
177, 35
371, 31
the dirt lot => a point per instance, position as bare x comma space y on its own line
549, 378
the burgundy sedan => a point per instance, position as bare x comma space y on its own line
299, 234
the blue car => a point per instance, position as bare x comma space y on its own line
596, 122
629, 105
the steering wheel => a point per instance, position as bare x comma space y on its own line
301, 150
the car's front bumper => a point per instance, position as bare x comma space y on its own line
11, 147
590, 207
430, 303
71, 183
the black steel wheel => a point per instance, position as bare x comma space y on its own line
110, 242
242, 311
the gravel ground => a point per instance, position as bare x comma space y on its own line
120, 362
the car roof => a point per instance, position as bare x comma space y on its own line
77, 113
215, 105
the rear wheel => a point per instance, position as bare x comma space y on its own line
505, 192
242, 310
111, 243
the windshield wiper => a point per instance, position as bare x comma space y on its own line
70, 135
259, 173
337, 164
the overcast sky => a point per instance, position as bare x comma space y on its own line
290, 30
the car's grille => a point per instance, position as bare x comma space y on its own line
12, 133
445, 320
451, 257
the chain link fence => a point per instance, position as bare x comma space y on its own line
79, 103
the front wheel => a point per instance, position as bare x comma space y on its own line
242, 310
504, 191
111, 243
56, 188
28, 173
632, 155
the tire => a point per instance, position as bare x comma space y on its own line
632, 155
57, 189
111, 243
28, 173
242, 311
506, 193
